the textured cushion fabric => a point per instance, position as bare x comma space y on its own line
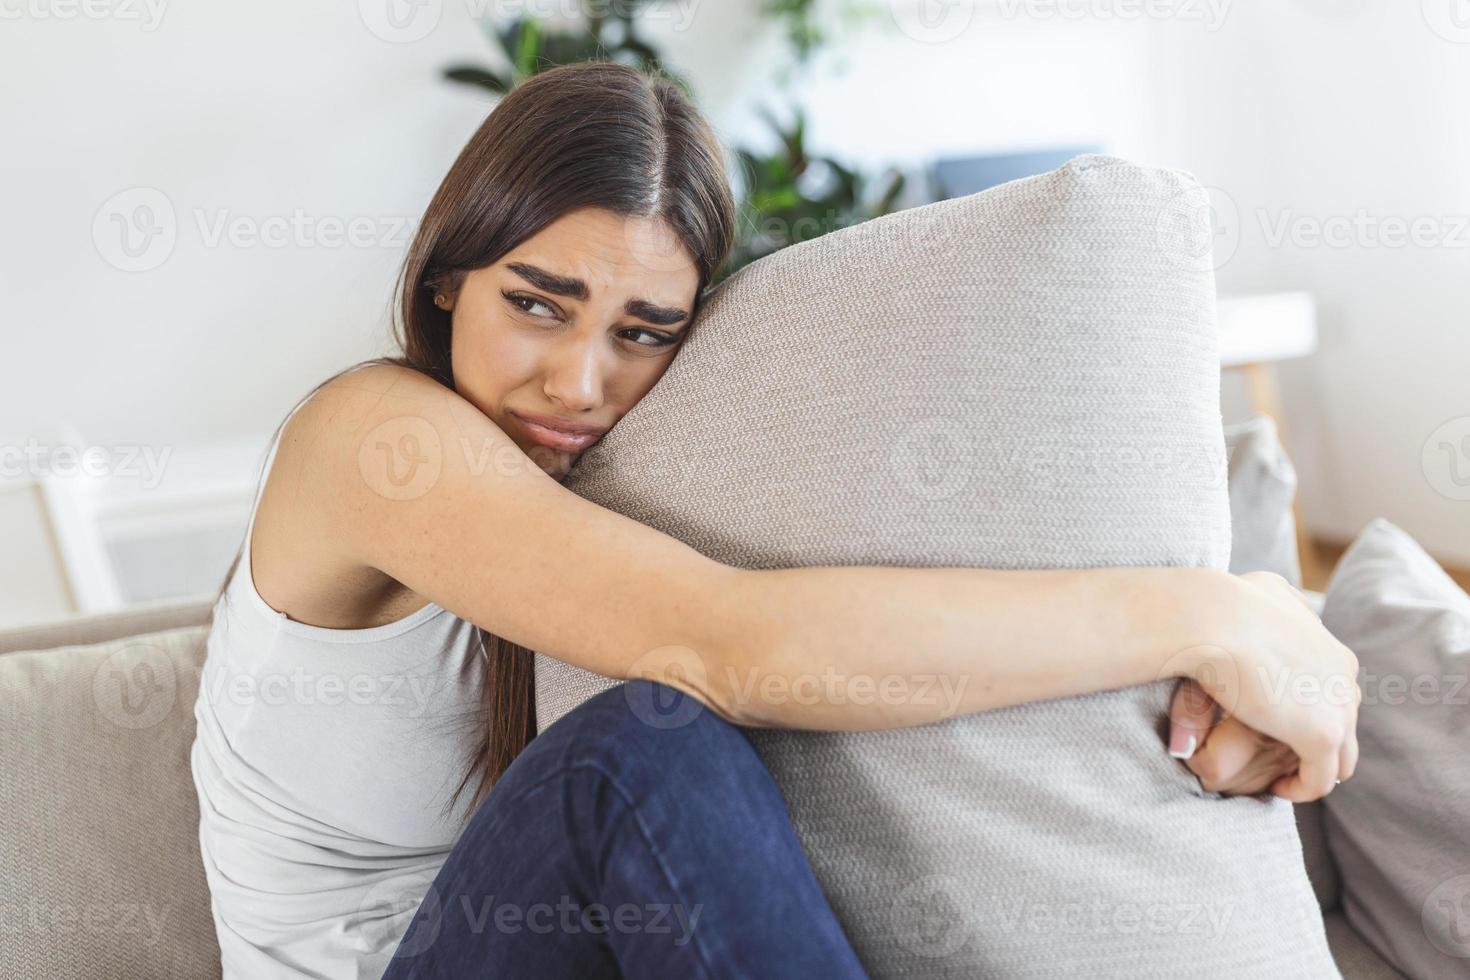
1322, 873
1022, 378
1399, 828
1354, 957
100, 873
1262, 485
153, 617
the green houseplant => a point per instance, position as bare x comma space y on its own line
787, 193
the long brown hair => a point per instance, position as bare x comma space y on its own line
591, 134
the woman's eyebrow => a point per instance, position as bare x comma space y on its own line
577, 289
664, 316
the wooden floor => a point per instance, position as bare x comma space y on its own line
1328, 552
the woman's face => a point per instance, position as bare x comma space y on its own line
571, 328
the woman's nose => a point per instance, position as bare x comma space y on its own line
573, 376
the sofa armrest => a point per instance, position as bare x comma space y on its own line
101, 627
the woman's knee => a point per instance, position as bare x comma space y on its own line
643, 748
645, 733
646, 716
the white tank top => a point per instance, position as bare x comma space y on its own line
323, 760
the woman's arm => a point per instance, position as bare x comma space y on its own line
481, 530
950, 641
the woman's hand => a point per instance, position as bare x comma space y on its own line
1228, 757
1279, 672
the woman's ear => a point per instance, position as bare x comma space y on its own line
445, 287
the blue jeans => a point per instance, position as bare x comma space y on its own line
639, 836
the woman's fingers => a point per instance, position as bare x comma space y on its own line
1349, 756
1349, 759
1292, 675
1223, 764
1316, 775
1192, 713
1238, 760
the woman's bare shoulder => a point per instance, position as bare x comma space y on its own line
408, 479
302, 563
367, 386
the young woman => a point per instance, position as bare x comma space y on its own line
412, 506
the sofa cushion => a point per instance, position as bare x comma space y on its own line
1322, 873
1263, 538
1354, 957
152, 617
1022, 378
1398, 829
100, 875
1262, 487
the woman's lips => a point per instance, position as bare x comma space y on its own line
555, 438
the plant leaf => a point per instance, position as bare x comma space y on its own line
479, 77
528, 46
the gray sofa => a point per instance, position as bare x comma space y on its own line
100, 875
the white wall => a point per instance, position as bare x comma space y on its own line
1310, 112
893, 92
279, 108
257, 112
251, 111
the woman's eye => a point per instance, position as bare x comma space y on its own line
527, 305
655, 339
541, 310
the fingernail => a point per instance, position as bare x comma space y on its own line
1181, 743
